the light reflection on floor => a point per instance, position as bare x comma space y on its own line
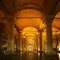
35, 56
27, 56
59, 56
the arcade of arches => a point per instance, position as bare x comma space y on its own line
30, 29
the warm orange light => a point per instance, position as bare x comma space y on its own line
42, 25
28, 17
30, 47
30, 31
59, 55
30, 34
58, 48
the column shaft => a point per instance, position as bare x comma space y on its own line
49, 42
18, 43
41, 40
11, 38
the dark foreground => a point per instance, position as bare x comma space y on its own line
28, 56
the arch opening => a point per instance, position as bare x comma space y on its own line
56, 31
28, 17
29, 39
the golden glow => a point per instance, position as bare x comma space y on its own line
58, 15
30, 48
38, 54
42, 25
30, 42
59, 55
54, 29
30, 35
28, 13
28, 17
23, 22
30, 31
44, 34
58, 47
27, 20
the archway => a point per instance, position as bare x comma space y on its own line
29, 39
56, 32
30, 19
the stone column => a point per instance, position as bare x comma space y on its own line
18, 43
10, 41
41, 40
58, 47
49, 41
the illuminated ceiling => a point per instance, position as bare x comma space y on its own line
56, 21
30, 36
30, 31
28, 18
29, 8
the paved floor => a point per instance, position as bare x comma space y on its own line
28, 56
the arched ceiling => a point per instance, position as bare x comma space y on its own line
46, 6
28, 17
30, 34
30, 31
10, 7
56, 21
26, 13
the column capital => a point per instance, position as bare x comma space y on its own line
40, 30
49, 19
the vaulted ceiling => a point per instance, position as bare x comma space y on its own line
46, 6
12, 8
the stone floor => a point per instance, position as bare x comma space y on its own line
28, 56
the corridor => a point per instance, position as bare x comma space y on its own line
29, 30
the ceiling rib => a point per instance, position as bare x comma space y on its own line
24, 17
54, 6
4, 7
